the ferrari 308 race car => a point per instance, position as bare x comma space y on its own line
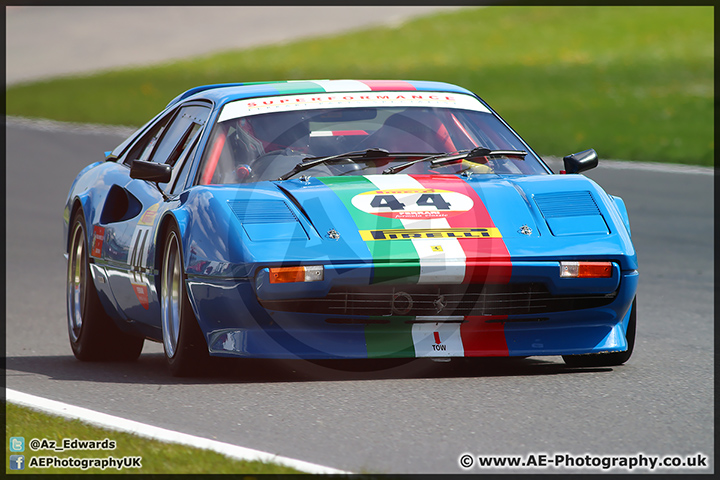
343, 219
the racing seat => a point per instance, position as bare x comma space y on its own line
412, 132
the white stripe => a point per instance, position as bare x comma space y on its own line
342, 85
157, 433
450, 345
446, 266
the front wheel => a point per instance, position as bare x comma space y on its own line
608, 359
185, 348
93, 334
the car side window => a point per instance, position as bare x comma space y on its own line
144, 147
170, 136
181, 171
185, 141
179, 133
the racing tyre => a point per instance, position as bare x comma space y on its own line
93, 334
185, 348
608, 359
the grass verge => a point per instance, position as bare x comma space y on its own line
157, 457
631, 82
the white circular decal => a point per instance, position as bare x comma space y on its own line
413, 203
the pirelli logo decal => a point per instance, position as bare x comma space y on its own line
411, 234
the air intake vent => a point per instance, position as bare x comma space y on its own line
262, 211
566, 204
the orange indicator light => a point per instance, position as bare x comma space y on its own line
586, 269
296, 274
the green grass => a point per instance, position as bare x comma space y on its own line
632, 82
157, 457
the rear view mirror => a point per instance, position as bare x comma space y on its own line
580, 162
151, 171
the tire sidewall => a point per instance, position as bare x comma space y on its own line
191, 349
99, 338
81, 346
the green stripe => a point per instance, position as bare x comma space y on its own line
299, 87
393, 260
390, 341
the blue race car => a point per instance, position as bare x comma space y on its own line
343, 219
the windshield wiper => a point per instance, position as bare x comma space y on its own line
310, 162
443, 158
403, 166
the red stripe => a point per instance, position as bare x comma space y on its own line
340, 133
482, 339
213, 159
487, 259
392, 85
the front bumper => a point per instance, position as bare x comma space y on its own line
243, 318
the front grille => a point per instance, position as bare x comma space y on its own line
445, 300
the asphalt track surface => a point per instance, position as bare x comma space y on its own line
413, 418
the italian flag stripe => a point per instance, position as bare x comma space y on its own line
437, 265
342, 85
482, 336
390, 341
297, 87
393, 85
393, 260
488, 260
436, 337
425, 260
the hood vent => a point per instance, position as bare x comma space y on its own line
566, 204
264, 211
571, 213
268, 220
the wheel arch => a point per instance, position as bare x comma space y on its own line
166, 222
178, 219
620, 204
80, 203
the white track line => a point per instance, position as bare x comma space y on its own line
556, 164
157, 433
69, 127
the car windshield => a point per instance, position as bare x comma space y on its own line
266, 146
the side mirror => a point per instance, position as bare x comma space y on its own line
579, 162
151, 171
